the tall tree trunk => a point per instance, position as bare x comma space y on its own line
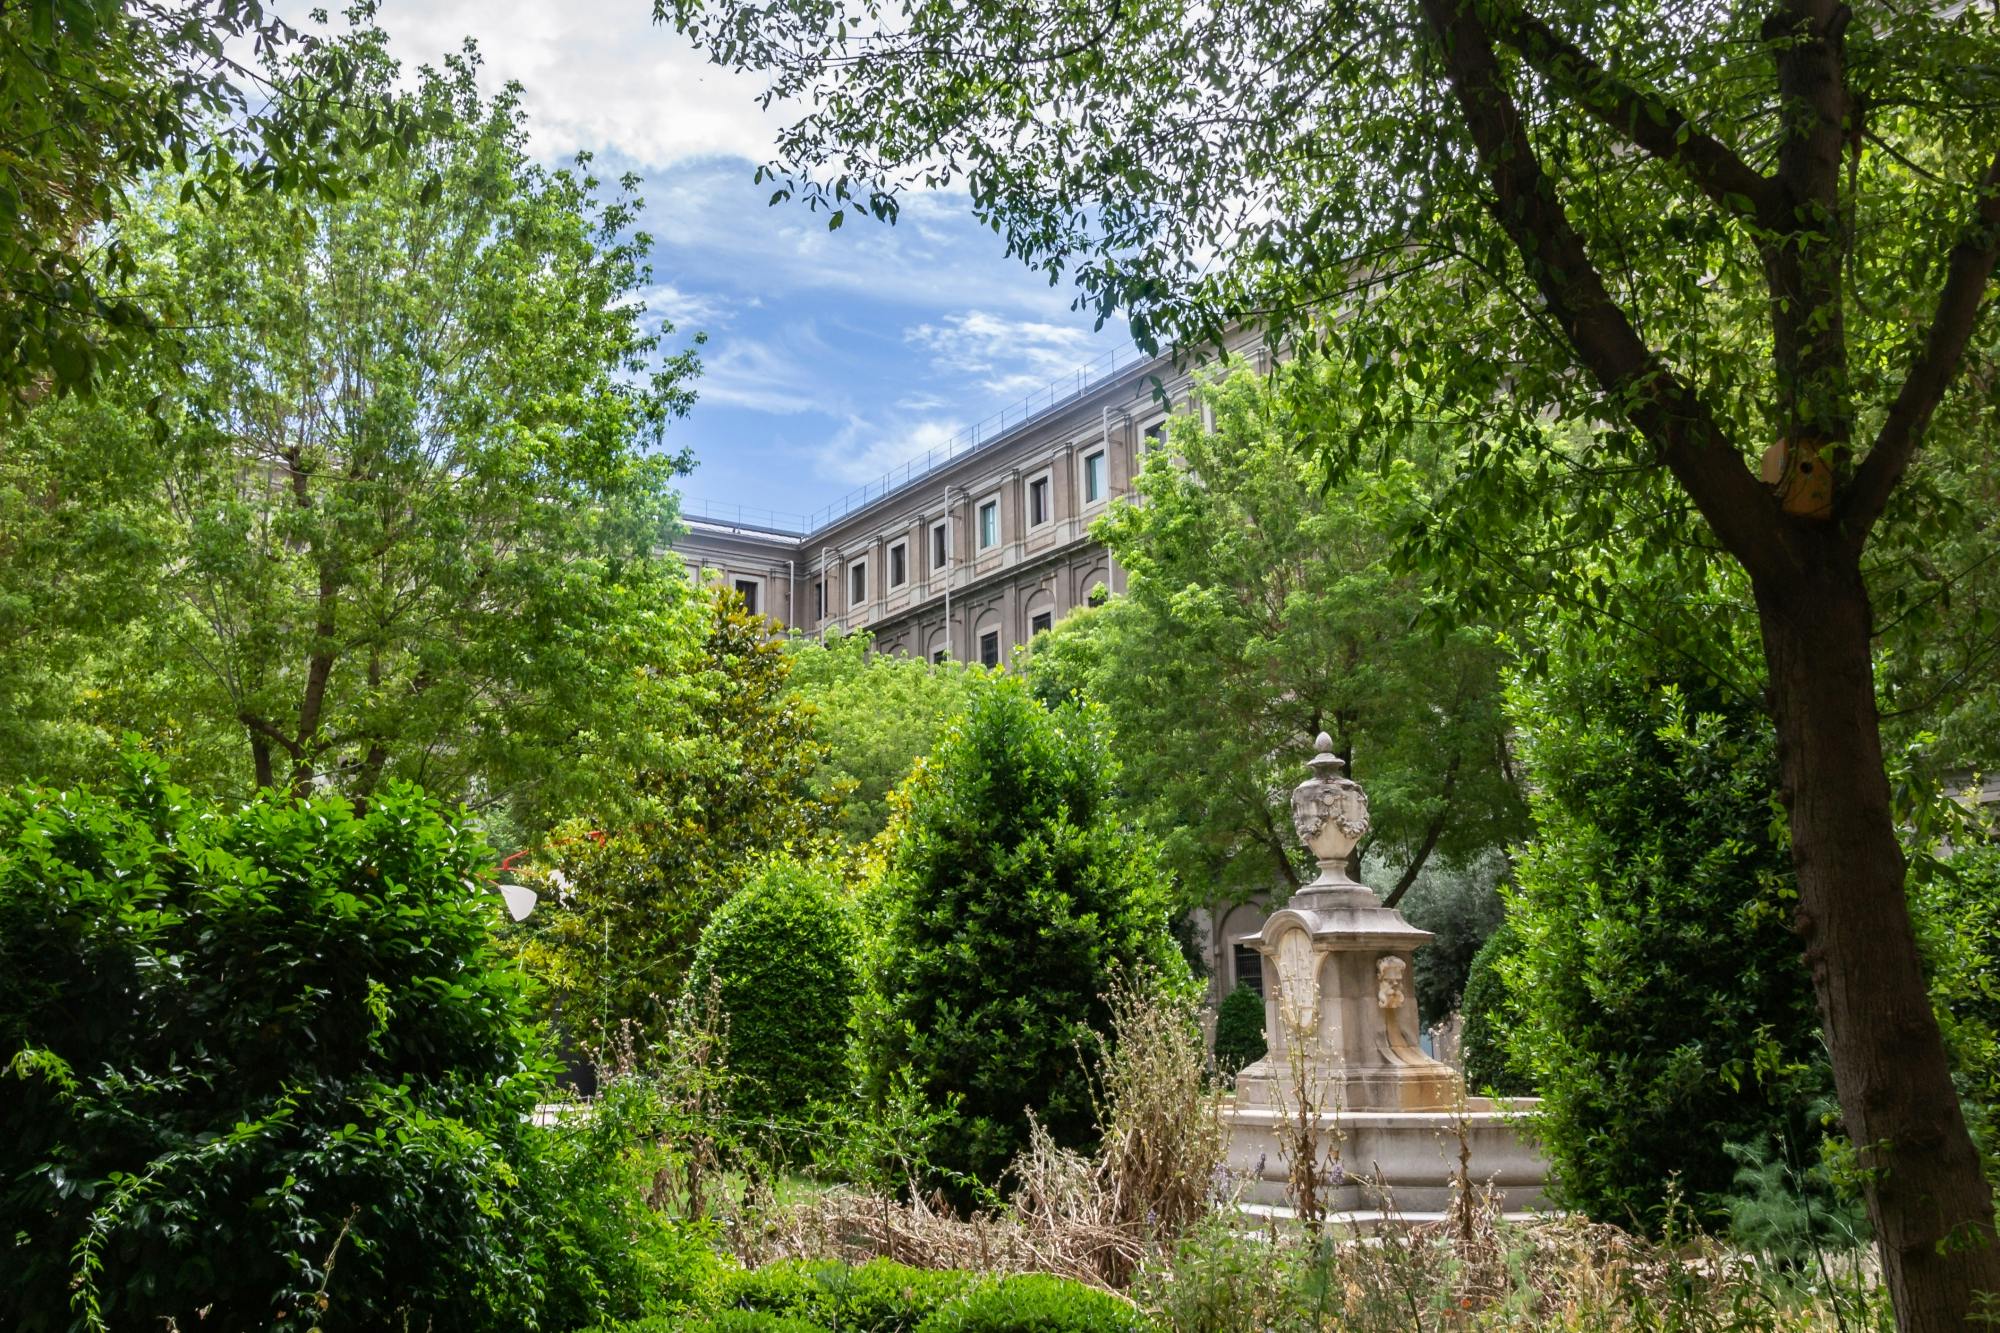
1927, 1196
260, 759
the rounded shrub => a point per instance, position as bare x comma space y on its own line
1037, 1303
1239, 1030
880, 1296
1011, 899
783, 955
1489, 1067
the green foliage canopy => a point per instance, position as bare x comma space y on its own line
623, 906
1262, 609
94, 98
877, 714
390, 533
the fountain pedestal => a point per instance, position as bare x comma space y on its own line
1343, 1058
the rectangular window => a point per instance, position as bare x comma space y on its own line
937, 658
819, 599
1041, 623
748, 587
989, 648
989, 524
1155, 434
1093, 477
1249, 968
857, 584
937, 547
1038, 502
899, 564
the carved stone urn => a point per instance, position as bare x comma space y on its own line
1340, 1023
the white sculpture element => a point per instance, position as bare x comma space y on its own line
1298, 981
1390, 974
1341, 961
1343, 1046
1330, 812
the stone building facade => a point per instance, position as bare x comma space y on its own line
973, 555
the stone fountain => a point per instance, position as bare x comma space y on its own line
1344, 1059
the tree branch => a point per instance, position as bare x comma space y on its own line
1967, 274
1664, 408
257, 726
1645, 120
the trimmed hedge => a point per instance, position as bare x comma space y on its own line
1037, 1303
877, 1297
782, 952
1239, 1030
827, 1296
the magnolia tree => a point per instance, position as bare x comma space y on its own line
1752, 245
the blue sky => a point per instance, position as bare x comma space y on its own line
831, 356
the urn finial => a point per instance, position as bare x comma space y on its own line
1329, 813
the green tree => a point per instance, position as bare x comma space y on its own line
1262, 609
1733, 240
1010, 900
395, 536
1461, 907
1490, 1066
783, 955
81, 530
624, 903
877, 713
97, 97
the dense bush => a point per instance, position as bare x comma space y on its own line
268, 1061
1239, 1030
1490, 1066
1663, 1008
1009, 901
782, 956
876, 1297
1036, 1303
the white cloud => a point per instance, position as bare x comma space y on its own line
744, 372
861, 452
686, 311
1010, 356
596, 74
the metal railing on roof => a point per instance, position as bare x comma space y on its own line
743, 516
1058, 393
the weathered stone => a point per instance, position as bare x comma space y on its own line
1341, 1030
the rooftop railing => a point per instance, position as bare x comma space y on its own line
744, 516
